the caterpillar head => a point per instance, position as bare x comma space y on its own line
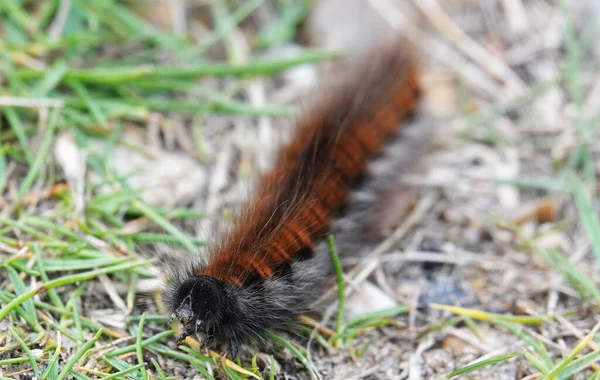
203, 306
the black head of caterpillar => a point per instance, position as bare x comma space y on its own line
216, 310
205, 307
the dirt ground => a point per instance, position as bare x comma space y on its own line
468, 217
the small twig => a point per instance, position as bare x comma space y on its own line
422, 207
370, 263
489, 63
575, 331
415, 360
317, 326
533, 376
438, 51
177, 9
458, 257
112, 293
516, 16
17, 101
471, 340
57, 27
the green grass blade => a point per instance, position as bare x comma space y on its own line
587, 214
51, 371
90, 103
164, 223
559, 368
144, 344
339, 276
78, 355
66, 280
34, 171
3, 174
580, 364
565, 266
299, 355
17, 127
51, 79
381, 314
36, 370
480, 364
284, 29
228, 25
139, 349
20, 288
537, 345
120, 75
124, 372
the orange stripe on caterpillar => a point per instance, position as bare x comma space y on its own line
277, 252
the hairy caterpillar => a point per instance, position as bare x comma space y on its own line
266, 270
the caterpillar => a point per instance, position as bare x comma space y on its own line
268, 268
